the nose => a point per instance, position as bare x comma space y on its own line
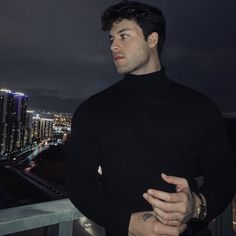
114, 46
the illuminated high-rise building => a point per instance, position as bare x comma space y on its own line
29, 127
47, 127
42, 128
36, 128
20, 130
13, 107
7, 114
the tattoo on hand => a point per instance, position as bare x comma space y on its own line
146, 217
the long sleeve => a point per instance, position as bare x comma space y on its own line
218, 166
168, 128
81, 177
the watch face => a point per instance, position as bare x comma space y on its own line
202, 207
203, 212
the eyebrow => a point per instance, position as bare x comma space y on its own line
120, 31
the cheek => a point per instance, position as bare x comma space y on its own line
141, 54
134, 51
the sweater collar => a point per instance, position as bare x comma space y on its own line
146, 85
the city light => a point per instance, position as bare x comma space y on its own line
23, 128
19, 94
5, 90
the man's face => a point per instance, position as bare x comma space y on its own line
130, 50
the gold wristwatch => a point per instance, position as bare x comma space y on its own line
201, 207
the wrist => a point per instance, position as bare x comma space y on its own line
131, 223
196, 206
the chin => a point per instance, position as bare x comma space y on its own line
122, 72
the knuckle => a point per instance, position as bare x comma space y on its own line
177, 231
165, 217
177, 217
182, 211
163, 221
178, 223
169, 197
185, 209
184, 197
156, 229
181, 218
155, 210
147, 197
185, 182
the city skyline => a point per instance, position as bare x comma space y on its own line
21, 128
56, 53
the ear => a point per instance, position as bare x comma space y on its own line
152, 39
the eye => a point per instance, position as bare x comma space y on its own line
111, 40
123, 36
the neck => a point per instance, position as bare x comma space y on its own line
154, 64
156, 60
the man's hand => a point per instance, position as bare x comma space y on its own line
146, 224
172, 209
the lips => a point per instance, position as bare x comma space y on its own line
118, 57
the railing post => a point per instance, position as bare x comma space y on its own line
223, 223
52, 230
66, 228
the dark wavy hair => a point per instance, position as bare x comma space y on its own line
149, 18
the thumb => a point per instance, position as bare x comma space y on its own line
181, 183
182, 228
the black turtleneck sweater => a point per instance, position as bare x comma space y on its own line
135, 130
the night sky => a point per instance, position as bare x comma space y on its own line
55, 52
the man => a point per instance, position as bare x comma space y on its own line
153, 139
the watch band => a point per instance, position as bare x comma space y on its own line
202, 210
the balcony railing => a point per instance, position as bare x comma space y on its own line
63, 213
60, 212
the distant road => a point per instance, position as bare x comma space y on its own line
32, 156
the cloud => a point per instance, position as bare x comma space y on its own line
94, 59
41, 92
56, 47
212, 60
50, 103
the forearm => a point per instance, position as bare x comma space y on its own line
95, 204
218, 187
146, 223
218, 194
82, 185
217, 166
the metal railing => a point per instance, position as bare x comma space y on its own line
223, 224
63, 213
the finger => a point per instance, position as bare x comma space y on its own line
168, 222
167, 197
174, 219
182, 228
162, 229
179, 181
164, 206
